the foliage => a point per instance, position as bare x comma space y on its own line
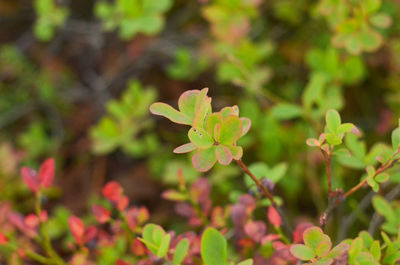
133, 16
125, 120
318, 81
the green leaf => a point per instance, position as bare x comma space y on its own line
345, 128
333, 120
314, 90
231, 130
277, 172
213, 247
201, 113
370, 40
302, 252
212, 120
246, 123
187, 101
396, 138
204, 159
200, 138
170, 113
323, 247
371, 5
338, 250
286, 111
223, 154
158, 6
333, 139
246, 262
381, 20
181, 251
384, 208
186, 148
324, 261
372, 183
313, 236
381, 178
164, 245
375, 250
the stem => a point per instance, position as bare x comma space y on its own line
256, 181
328, 157
338, 197
266, 193
45, 240
30, 254
380, 170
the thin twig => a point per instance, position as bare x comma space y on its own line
337, 198
266, 193
380, 170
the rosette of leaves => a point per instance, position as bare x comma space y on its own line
317, 248
133, 16
125, 120
50, 16
364, 250
230, 19
244, 63
356, 23
213, 136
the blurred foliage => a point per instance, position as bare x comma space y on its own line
125, 120
77, 79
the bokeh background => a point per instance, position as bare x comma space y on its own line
77, 78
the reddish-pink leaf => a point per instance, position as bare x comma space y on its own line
43, 216
90, 234
204, 159
112, 191
77, 229
138, 248
3, 239
122, 262
31, 221
274, 217
30, 178
46, 173
143, 215
101, 214
223, 154
174, 195
298, 232
255, 230
186, 148
122, 203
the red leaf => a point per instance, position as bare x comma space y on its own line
143, 215
30, 178
90, 234
3, 239
77, 229
31, 221
121, 262
102, 214
46, 172
43, 216
256, 230
122, 203
298, 232
138, 248
112, 191
274, 217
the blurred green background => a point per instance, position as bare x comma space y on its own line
77, 78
